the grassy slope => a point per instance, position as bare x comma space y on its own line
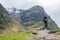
7, 25
13, 27
18, 36
10, 29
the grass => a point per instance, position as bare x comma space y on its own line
17, 36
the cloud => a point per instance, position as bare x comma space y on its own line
48, 2
12, 3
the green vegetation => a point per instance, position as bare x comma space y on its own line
17, 36
34, 33
10, 29
1, 20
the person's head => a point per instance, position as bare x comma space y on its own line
45, 17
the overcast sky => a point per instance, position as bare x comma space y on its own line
51, 7
21, 3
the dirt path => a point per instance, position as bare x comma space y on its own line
43, 35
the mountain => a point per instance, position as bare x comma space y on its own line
35, 12
33, 18
7, 24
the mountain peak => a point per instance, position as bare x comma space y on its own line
37, 7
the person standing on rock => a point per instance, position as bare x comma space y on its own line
45, 20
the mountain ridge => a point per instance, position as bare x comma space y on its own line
33, 17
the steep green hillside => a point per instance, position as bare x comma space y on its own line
7, 25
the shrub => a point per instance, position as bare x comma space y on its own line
34, 33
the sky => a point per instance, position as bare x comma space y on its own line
51, 7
